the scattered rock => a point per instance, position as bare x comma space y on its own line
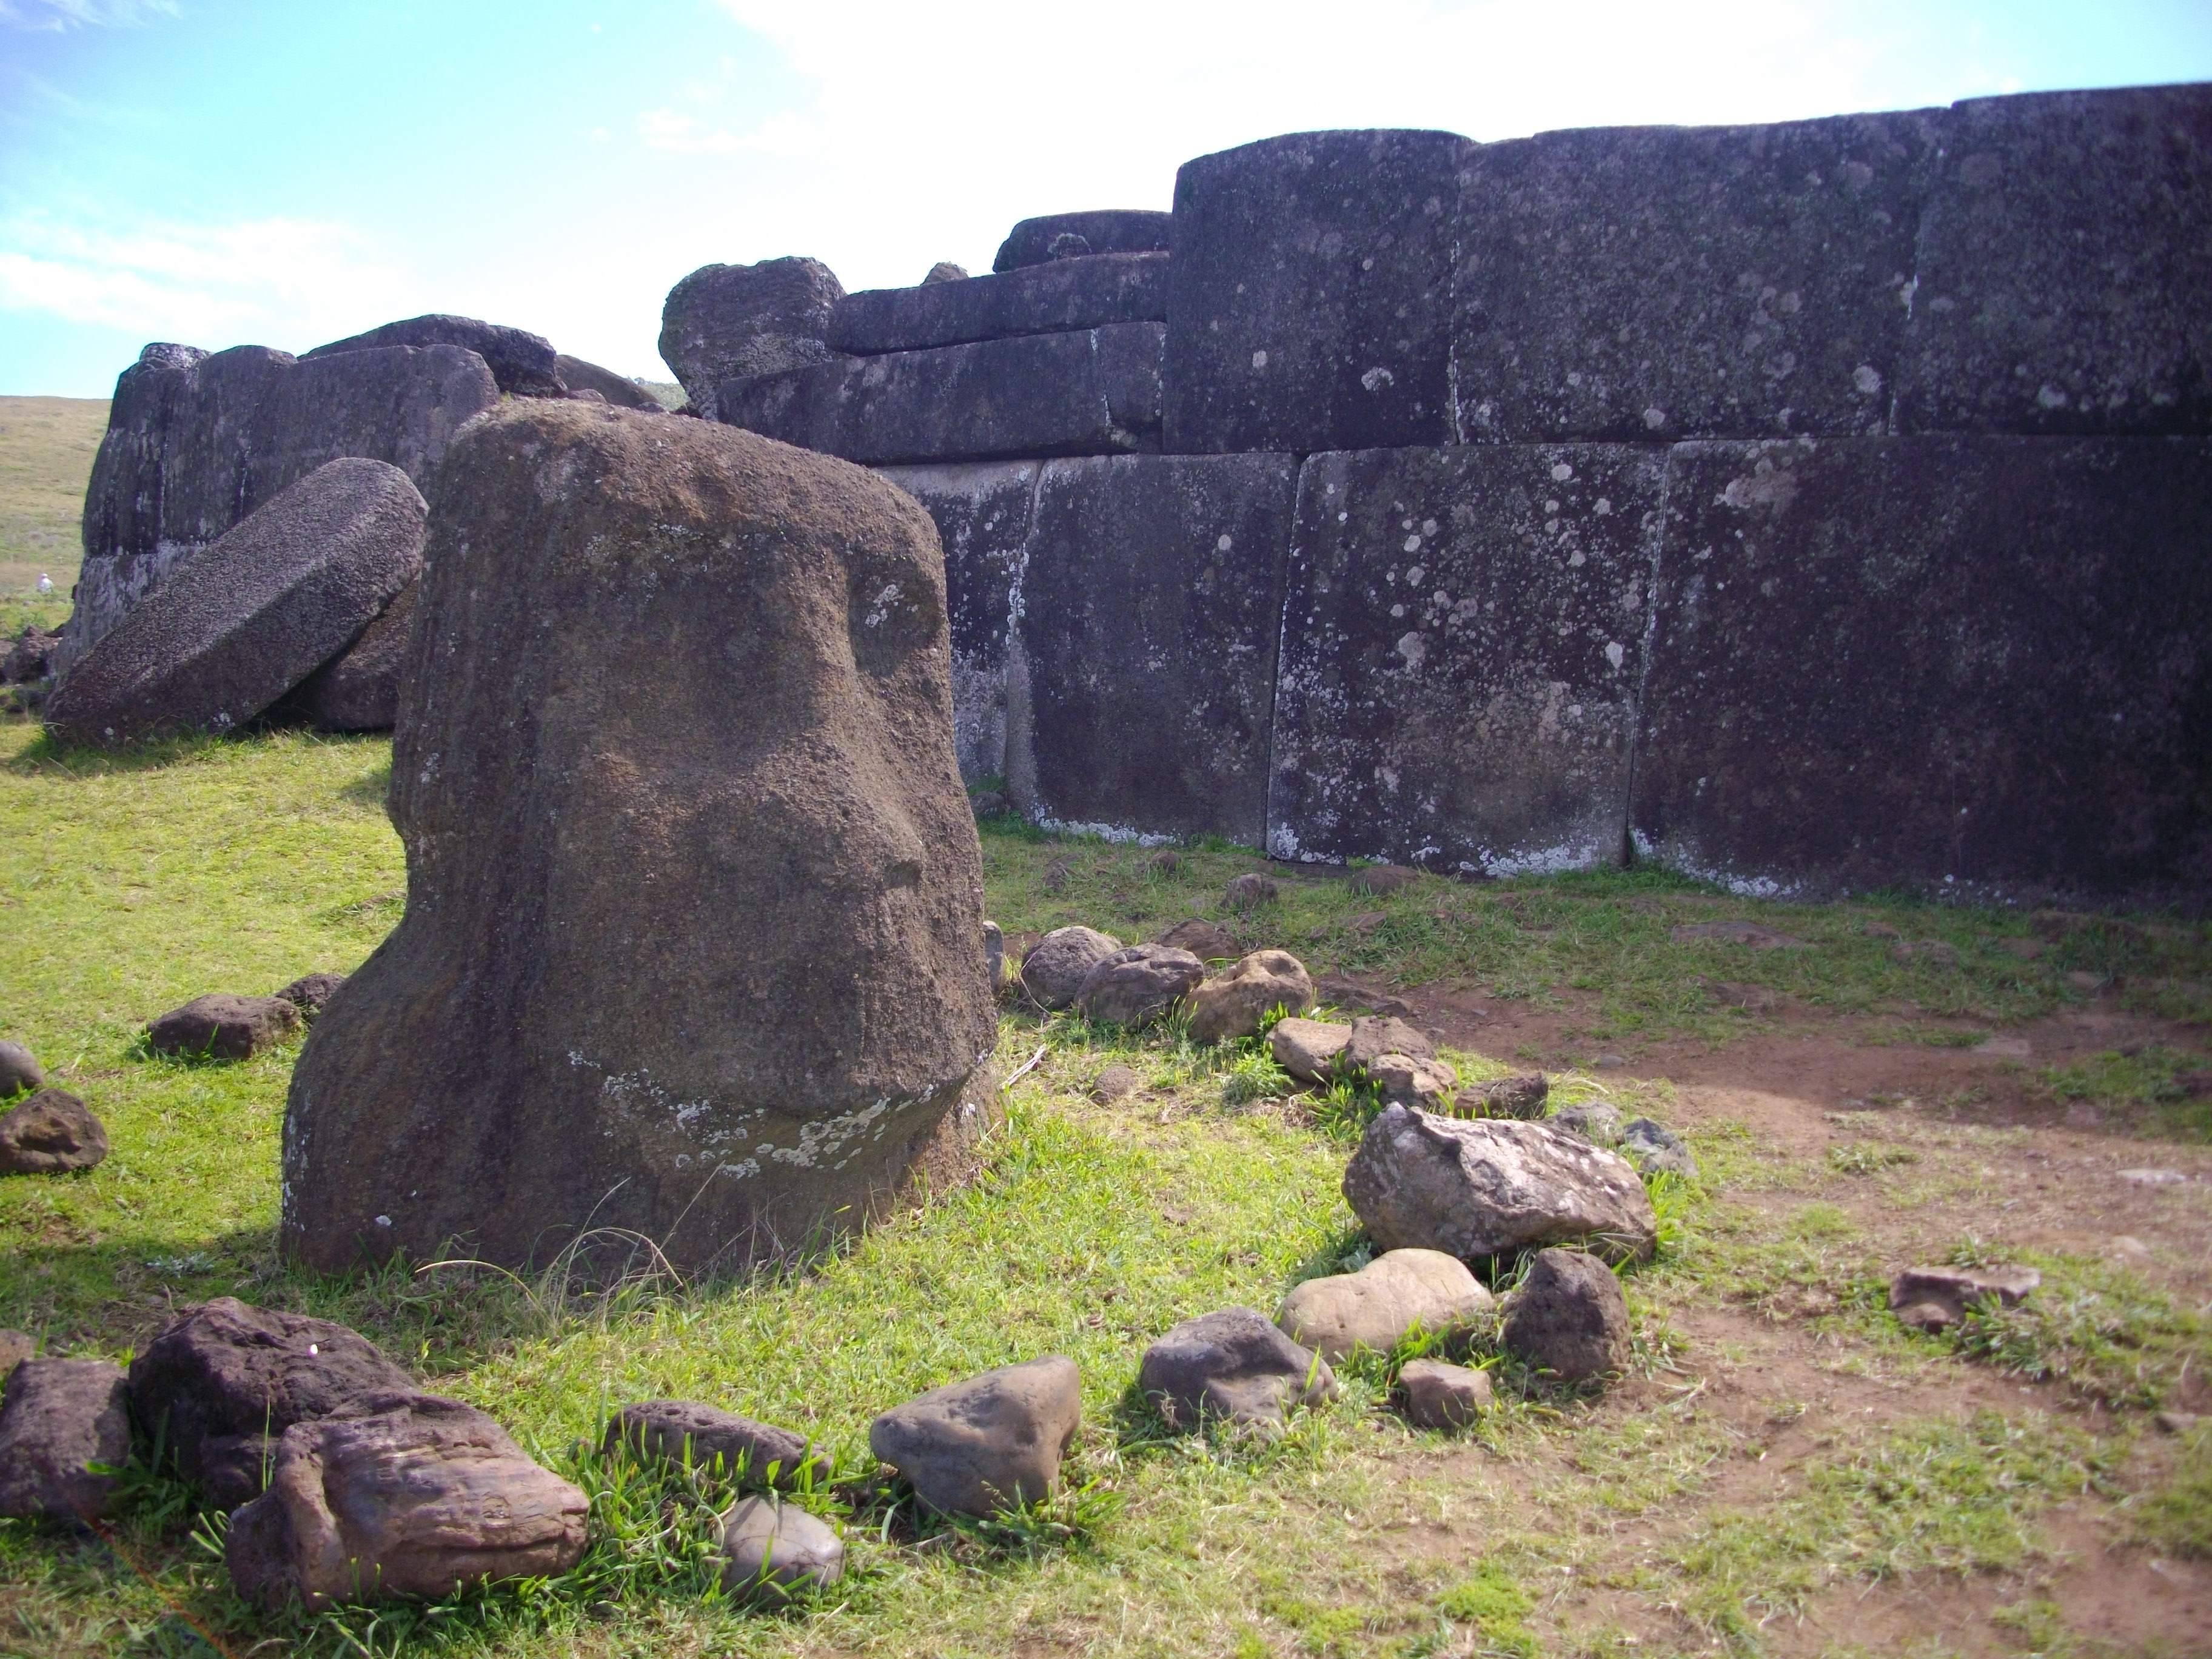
400, 1494
619, 389
1235, 1366
1382, 879
1750, 998
1409, 1080
311, 992
1346, 994
1439, 1395
1595, 1120
1568, 1317
992, 1442
221, 1382
358, 691
56, 1417
1880, 930
1248, 890
1737, 933
1054, 971
1654, 1148
1524, 1096
52, 1133
1166, 862
1378, 1306
1937, 1298
769, 1545
1367, 921
29, 656
2153, 1178
524, 364
685, 1433
741, 322
1476, 1188
1201, 938
1115, 1083
1138, 985
15, 1346
1308, 1048
19, 1070
1376, 1035
1057, 872
945, 272
1232, 1005
224, 1027
2084, 1115
989, 804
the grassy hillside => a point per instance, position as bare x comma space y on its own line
46, 446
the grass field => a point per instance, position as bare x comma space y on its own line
46, 446
1788, 1472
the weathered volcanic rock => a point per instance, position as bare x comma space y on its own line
1462, 642
1377, 1307
524, 364
2065, 267
58, 1417
1234, 1366
1440, 1395
1308, 1048
221, 1026
1568, 1317
1053, 970
1411, 1080
740, 322
1374, 1036
1048, 299
619, 389
1251, 890
1152, 607
1232, 1005
685, 1431
220, 1383
19, 1070
1138, 985
1105, 230
769, 1545
661, 670
358, 691
992, 1442
1937, 1297
248, 618
311, 992
1478, 1188
50, 1133
1653, 1148
400, 1494
1206, 940
1308, 298
1523, 1095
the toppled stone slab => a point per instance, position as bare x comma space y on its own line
248, 618
400, 1494
1936, 1299
696, 1436
769, 1545
1376, 1308
1233, 1366
1568, 1317
358, 691
1057, 965
1308, 300
620, 390
738, 323
50, 1133
1441, 1395
1308, 1048
524, 364
1152, 610
1462, 643
1054, 298
992, 1442
1052, 236
221, 1026
1230, 1005
58, 1417
1138, 985
1480, 1187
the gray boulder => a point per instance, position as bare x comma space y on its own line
1478, 1188
56, 1417
1377, 1307
524, 364
1308, 1048
1441, 1395
740, 322
358, 691
1568, 1317
769, 1545
400, 1494
19, 1070
1230, 1005
1056, 966
1106, 230
1234, 1366
1138, 985
685, 1433
221, 1026
248, 619
1655, 1149
619, 389
1206, 940
944, 270
992, 1442
52, 1133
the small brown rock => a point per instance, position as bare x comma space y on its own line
1248, 890
50, 1133
992, 1442
1523, 1096
1165, 862
1307, 1048
222, 1027
1115, 1083
19, 1070
1570, 1318
1351, 996
1443, 1396
686, 1432
1136, 987
1410, 1080
1232, 1005
1375, 1308
58, 1417
1203, 940
1054, 968
1382, 879
311, 992
1934, 1298
1378, 1035
2026, 949
1737, 933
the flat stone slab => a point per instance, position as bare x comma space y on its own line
1462, 640
358, 691
1054, 298
1103, 230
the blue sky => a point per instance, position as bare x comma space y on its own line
284, 172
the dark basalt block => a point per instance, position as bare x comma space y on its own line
1638, 283
524, 364
1046, 298
1149, 615
1105, 230
1462, 640
1080, 393
1307, 299
1963, 662
2065, 267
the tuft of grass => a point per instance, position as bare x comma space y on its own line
2094, 1328
2156, 1087
1492, 1604
1863, 1157
2176, 1516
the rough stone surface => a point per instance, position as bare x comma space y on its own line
221, 1026
358, 691
726, 323
1308, 299
1524, 1095
400, 1494
1379, 880
1374, 1036
249, 617
1462, 642
1203, 939
29, 656
1378, 1306
1106, 230
1054, 298
1410, 1080
1595, 1120
1152, 610
2013, 669
1234, 1366
1440, 1395
2065, 267
1568, 1317
311, 992
1083, 393
524, 364
1478, 1188
218, 1380
1308, 1048
50, 1133
57, 1416
1115, 1083
944, 270
768, 1544
1637, 282
701, 1436
1653, 1148
547, 1040
1936, 1299
1232, 1005
982, 517
19, 1070
1138, 985
1057, 965
619, 389
992, 1442
1248, 890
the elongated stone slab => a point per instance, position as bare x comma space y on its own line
1103, 230
1046, 298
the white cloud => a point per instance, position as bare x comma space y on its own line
55, 16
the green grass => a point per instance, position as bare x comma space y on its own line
46, 446
2176, 1516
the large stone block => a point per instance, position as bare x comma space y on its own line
1964, 663
1048, 299
1103, 230
1149, 614
2065, 267
524, 364
1634, 282
693, 939
739, 322
196, 442
1462, 639
1308, 298
1089, 393
982, 517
